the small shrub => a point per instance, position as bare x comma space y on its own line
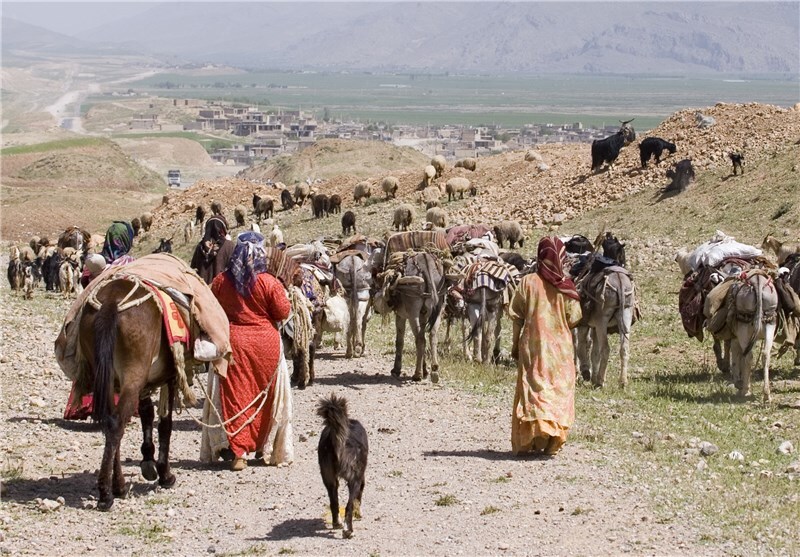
489, 510
782, 210
446, 501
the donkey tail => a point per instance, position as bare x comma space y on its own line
479, 321
105, 338
758, 317
623, 325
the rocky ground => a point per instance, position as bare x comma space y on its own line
441, 478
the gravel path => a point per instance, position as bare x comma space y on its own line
428, 443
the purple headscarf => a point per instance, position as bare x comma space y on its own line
247, 262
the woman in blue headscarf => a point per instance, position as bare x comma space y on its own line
255, 302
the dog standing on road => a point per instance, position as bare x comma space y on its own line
342, 453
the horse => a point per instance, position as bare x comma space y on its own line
607, 299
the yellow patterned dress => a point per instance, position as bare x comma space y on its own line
544, 402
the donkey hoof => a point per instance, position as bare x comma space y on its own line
395, 373
105, 506
586, 374
148, 468
416, 377
167, 481
434, 377
347, 534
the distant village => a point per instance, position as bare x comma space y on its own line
269, 134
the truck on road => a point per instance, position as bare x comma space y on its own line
174, 178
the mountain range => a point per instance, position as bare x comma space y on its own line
524, 37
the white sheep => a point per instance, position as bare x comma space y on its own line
440, 164
403, 216
429, 173
437, 217
363, 190
389, 186
276, 236
459, 185
467, 164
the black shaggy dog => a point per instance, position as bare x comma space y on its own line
738, 162
342, 453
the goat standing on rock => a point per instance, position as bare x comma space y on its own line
654, 147
607, 150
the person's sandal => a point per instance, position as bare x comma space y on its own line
238, 464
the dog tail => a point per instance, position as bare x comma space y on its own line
333, 411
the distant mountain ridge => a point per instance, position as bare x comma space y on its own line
549, 37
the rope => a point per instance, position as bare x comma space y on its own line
222, 423
124, 304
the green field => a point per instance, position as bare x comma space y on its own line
475, 99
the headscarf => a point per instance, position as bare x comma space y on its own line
216, 229
247, 262
119, 240
550, 256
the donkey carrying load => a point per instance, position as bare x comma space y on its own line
412, 284
128, 332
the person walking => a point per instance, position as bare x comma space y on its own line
255, 302
212, 253
544, 308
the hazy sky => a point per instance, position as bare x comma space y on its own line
71, 18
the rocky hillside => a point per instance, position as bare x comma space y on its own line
540, 195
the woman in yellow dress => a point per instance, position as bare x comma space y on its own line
544, 309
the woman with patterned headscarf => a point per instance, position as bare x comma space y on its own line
544, 309
255, 302
212, 254
119, 241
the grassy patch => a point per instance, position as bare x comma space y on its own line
446, 501
286, 551
396, 474
489, 510
59, 145
147, 532
501, 480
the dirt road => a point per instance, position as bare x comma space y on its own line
441, 479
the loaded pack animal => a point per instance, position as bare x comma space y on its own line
348, 223
748, 314
607, 150
335, 204
484, 285
653, 147
265, 208
614, 249
413, 286
319, 206
73, 237
117, 341
69, 272
737, 159
287, 201
608, 304
15, 273
342, 452
578, 245
355, 275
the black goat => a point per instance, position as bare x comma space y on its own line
654, 147
287, 201
348, 223
682, 175
738, 162
199, 215
50, 266
256, 199
614, 249
607, 150
335, 204
164, 246
265, 207
578, 244
319, 205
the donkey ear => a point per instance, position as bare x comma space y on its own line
622, 245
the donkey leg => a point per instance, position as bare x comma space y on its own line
400, 333
112, 432
600, 353
497, 330
723, 364
312, 355
769, 335
417, 329
148, 464
165, 477
433, 341
582, 351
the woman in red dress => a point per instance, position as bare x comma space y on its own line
254, 302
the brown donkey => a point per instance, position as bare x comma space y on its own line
128, 349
